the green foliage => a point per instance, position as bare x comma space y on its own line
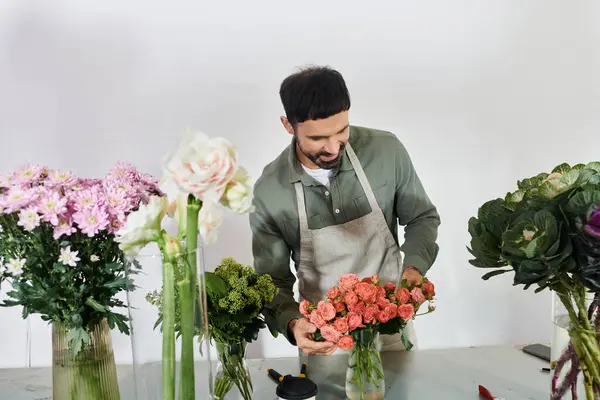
538, 231
73, 297
236, 298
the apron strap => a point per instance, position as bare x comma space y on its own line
306, 264
362, 178
301, 208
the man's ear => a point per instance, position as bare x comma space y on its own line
286, 124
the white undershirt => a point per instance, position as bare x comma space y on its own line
321, 175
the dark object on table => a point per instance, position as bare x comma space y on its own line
294, 387
538, 350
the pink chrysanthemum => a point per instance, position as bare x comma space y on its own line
15, 199
29, 173
51, 206
123, 171
64, 227
117, 200
91, 220
88, 197
58, 178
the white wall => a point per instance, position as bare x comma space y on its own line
481, 93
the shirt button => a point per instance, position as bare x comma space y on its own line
337, 210
326, 193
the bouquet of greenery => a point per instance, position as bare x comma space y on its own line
58, 249
548, 233
236, 297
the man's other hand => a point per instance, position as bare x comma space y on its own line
303, 331
412, 275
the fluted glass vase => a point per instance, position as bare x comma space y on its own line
87, 374
575, 346
364, 375
232, 378
167, 363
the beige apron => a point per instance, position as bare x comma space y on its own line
364, 246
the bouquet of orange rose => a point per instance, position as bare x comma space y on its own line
356, 312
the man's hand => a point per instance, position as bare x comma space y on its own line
412, 275
303, 331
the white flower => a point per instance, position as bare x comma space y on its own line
238, 195
94, 258
202, 166
15, 266
177, 201
68, 257
142, 226
29, 218
210, 219
1, 228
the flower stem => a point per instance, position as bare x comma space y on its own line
187, 287
168, 328
187, 342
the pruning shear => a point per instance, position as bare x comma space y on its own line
277, 377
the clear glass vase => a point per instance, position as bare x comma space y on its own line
91, 373
232, 378
364, 376
157, 374
567, 379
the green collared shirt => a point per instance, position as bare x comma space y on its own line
397, 188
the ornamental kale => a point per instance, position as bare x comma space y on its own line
547, 231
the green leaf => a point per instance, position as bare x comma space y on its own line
77, 337
406, 342
562, 168
554, 187
215, 285
580, 203
95, 305
595, 165
532, 182
495, 273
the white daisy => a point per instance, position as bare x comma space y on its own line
15, 266
68, 257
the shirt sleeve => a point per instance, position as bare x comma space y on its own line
272, 256
416, 213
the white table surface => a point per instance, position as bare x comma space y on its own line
449, 374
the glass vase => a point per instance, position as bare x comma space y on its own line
159, 375
364, 376
569, 341
91, 373
232, 378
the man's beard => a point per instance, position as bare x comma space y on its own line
315, 158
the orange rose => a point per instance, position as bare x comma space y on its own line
346, 342
406, 311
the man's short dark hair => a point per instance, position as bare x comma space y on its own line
314, 93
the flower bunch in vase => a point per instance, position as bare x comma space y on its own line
547, 232
353, 316
236, 298
59, 255
201, 179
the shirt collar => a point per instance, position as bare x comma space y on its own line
297, 174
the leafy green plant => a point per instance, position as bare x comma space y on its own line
539, 231
236, 296
57, 245
548, 233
